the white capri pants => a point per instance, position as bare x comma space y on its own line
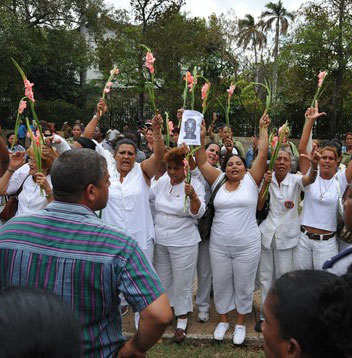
273, 264
234, 270
204, 277
311, 254
176, 267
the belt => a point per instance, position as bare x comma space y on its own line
317, 236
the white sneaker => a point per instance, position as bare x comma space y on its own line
239, 334
203, 316
220, 331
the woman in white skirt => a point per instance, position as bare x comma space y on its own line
235, 236
317, 241
176, 234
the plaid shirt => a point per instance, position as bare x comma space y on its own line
67, 250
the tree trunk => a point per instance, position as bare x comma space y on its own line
337, 95
276, 65
256, 63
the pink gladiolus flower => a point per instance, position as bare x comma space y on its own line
274, 141
231, 90
205, 90
321, 77
106, 90
109, 84
22, 106
114, 72
171, 126
149, 61
28, 90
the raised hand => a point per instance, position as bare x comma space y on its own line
101, 107
313, 158
203, 132
157, 123
16, 160
268, 177
313, 112
264, 121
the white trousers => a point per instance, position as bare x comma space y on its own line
203, 277
273, 264
342, 245
176, 267
234, 270
311, 254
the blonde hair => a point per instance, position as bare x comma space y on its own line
47, 162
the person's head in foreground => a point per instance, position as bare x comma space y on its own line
35, 324
308, 314
81, 176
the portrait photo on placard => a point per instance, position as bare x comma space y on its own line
190, 128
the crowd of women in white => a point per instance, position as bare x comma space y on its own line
149, 205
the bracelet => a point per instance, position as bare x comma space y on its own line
49, 195
11, 171
314, 170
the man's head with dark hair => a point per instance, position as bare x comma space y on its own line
36, 324
81, 176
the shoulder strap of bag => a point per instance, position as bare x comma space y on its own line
218, 186
20, 188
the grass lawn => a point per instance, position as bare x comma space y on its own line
203, 350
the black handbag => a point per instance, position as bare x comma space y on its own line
205, 222
261, 215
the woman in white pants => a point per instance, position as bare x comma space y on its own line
317, 241
176, 235
204, 279
280, 231
235, 236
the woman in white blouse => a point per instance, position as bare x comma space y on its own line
30, 199
235, 237
317, 241
176, 234
281, 229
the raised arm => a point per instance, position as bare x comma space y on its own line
101, 109
211, 127
16, 161
311, 115
4, 157
259, 165
314, 162
151, 165
209, 172
261, 198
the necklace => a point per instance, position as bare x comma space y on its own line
321, 196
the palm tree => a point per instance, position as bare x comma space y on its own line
250, 32
276, 13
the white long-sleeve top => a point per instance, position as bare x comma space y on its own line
174, 226
30, 199
283, 221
